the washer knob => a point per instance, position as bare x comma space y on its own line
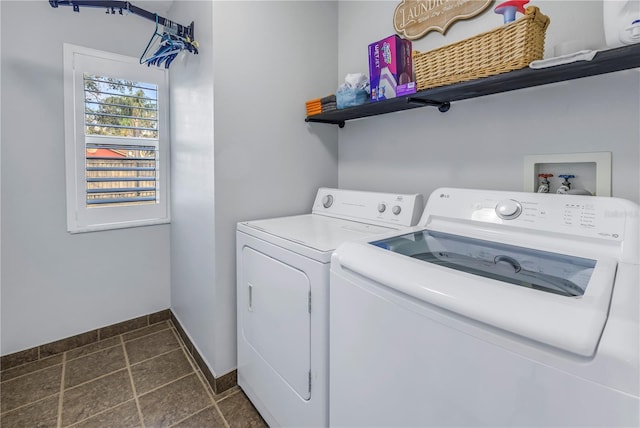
508, 209
327, 201
381, 207
396, 209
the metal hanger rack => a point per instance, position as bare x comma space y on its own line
112, 6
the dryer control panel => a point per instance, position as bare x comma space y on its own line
369, 207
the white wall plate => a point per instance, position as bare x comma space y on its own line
592, 171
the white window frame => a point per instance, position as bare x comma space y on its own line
81, 218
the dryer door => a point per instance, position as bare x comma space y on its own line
277, 320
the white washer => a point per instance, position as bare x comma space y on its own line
283, 296
499, 309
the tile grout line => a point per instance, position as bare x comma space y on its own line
194, 365
118, 344
109, 347
205, 385
192, 358
133, 386
61, 397
105, 374
155, 356
215, 403
96, 378
167, 326
30, 372
94, 352
102, 412
30, 403
142, 337
196, 368
121, 336
165, 384
192, 415
98, 334
231, 394
79, 356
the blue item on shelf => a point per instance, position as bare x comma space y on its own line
349, 97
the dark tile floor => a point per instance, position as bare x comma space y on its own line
144, 378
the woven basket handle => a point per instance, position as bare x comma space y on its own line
537, 16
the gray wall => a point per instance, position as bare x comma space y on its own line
470, 146
55, 284
193, 257
265, 60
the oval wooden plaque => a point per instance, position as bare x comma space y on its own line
414, 18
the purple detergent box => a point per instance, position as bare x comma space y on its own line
406, 89
390, 65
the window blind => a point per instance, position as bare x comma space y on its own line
121, 129
120, 174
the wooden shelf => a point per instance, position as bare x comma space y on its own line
607, 61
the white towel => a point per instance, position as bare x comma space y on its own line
586, 55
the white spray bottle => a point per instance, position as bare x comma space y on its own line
621, 20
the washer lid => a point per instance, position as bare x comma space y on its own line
315, 231
540, 270
473, 288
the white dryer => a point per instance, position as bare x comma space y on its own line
500, 309
283, 297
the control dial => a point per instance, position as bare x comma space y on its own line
327, 201
396, 209
382, 207
508, 209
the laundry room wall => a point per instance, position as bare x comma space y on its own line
256, 158
481, 142
55, 284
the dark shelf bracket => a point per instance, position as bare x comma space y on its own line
340, 123
443, 106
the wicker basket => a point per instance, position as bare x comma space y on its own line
507, 48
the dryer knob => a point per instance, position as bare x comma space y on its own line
382, 207
327, 201
396, 209
508, 209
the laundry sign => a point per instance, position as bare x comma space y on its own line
415, 18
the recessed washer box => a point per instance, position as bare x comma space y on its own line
592, 171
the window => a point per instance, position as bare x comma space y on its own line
116, 141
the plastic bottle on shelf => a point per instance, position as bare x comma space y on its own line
621, 20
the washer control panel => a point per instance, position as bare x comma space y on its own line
590, 216
508, 209
370, 207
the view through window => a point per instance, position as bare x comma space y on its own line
120, 174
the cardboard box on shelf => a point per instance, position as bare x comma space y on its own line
390, 65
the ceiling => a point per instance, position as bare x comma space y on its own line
155, 6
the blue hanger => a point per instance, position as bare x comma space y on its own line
170, 46
153, 36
